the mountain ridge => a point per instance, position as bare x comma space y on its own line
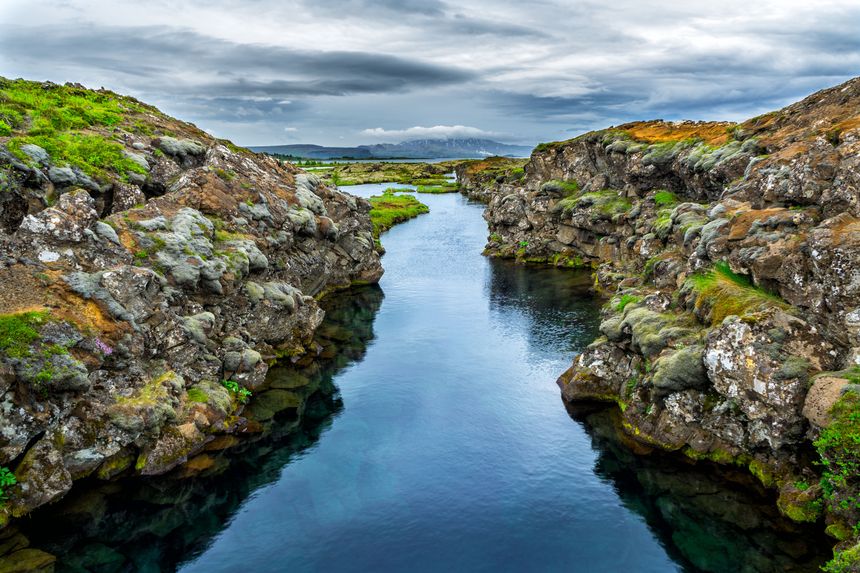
466, 148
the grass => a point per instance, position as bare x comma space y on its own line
197, 395
18, 331
625, 300
32, 108
389, 209
665, 198
439, 189
92, 154
64, 120
728, 293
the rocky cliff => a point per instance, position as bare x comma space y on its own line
731, 256
149, 275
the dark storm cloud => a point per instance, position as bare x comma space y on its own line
228, 68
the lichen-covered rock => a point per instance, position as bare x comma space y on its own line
141, 285
751, 231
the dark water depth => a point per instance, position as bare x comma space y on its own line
432, 438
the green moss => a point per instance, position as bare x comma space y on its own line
727, 293
607, 203
566, 188
838, 531
838, 448
389, 209
197, 395
847, 561
18, 331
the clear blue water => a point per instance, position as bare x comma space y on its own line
437, 441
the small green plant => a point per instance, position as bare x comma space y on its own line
241, 393
7, 480
625, 300
225, 175
523, 244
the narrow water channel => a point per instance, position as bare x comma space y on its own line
434, 439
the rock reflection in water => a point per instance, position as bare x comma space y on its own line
156, 524
708, 517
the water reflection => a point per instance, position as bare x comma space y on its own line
156, 524
709, 517
557, 304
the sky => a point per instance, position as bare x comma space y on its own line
349, 72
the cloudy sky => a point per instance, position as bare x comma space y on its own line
345, 72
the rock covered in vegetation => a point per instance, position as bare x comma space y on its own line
149, 273
730, 254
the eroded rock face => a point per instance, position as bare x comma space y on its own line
136, 297
730, 255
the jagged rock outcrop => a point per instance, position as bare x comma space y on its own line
730, 255
149, 274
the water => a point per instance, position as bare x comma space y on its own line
434, 439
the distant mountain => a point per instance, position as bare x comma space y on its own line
416, 149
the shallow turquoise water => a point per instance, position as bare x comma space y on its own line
447, 448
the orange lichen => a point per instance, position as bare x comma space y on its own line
742, 223
710, 132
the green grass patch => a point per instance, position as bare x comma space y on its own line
439, 189
390, 209
92, 154
197, 395
61, 120
18, 331
33, 108
665, 198
728, 293
625, 300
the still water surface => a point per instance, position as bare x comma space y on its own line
435, 440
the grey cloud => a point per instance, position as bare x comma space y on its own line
542, 69
154, 52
